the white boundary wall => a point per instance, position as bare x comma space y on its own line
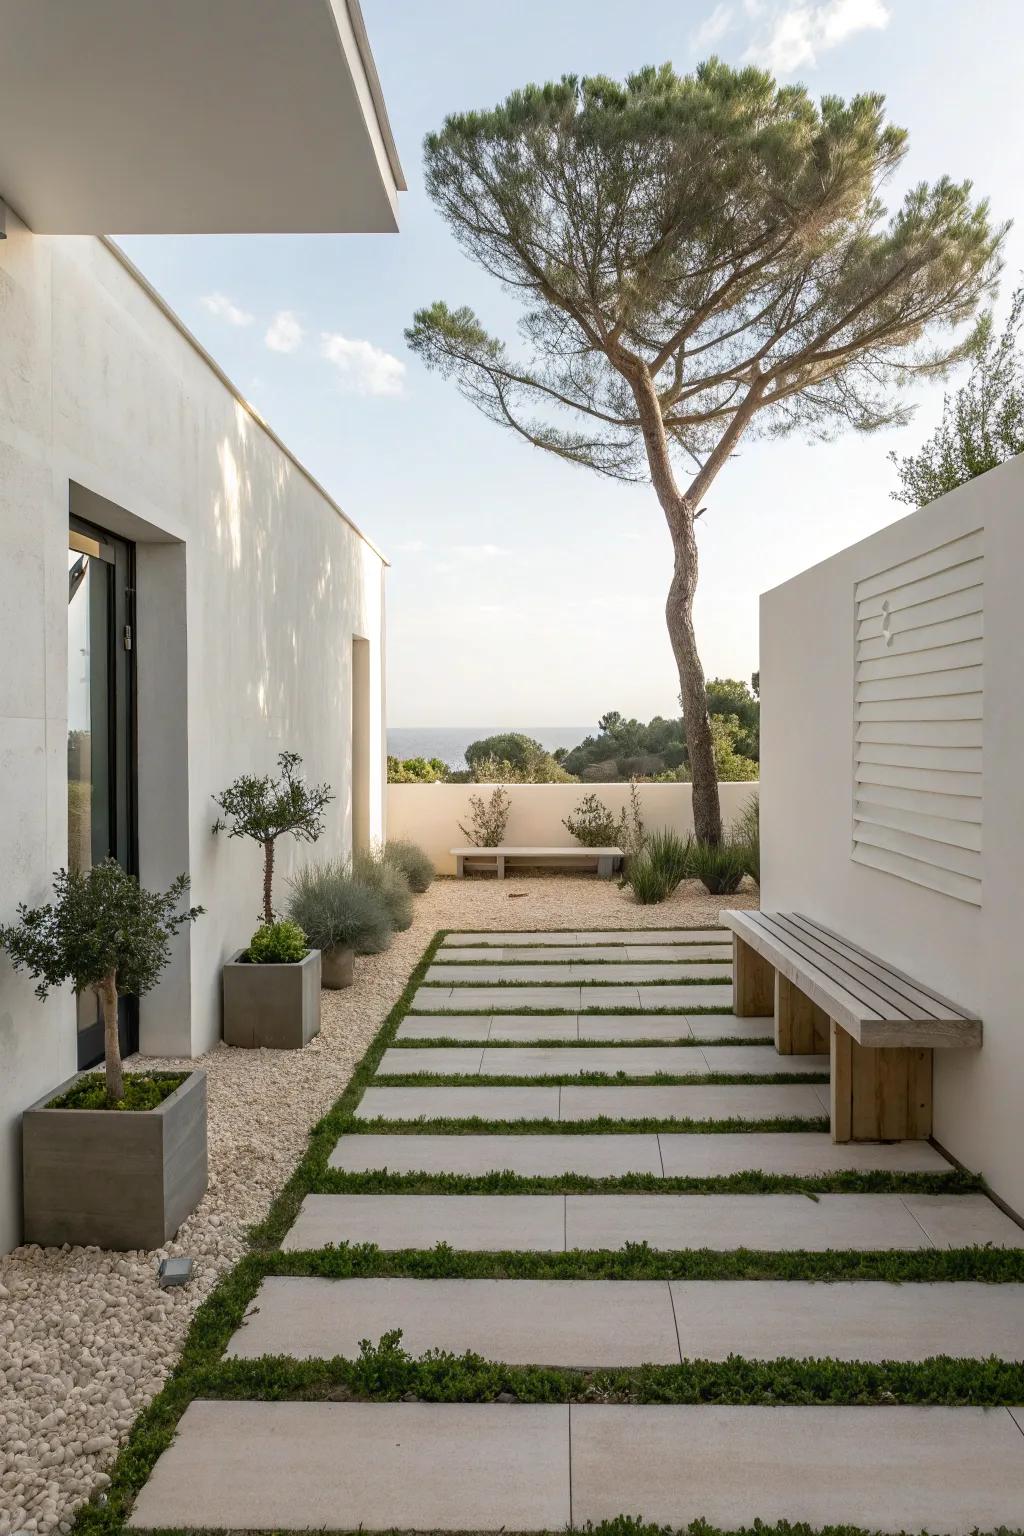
429, 814
946, 784
251, 585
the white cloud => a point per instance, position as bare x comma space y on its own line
800, 33
412, 547
713, 28
284, 333
364, 368
477, 552
220, 305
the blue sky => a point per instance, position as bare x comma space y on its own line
524, 590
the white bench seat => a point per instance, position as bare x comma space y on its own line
879, 1024
608, 859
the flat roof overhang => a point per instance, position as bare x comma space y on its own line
194, 116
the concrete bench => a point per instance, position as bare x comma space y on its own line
608, 859
879, 1025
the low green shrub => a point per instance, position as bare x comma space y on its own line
593, 824
488, 819
412, 861
389, 883
718, 866
332, 909
745, 837
649, 882
282, 943
142, 1090
667, 852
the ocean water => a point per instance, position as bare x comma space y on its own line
449, 742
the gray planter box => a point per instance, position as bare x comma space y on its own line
337, 967
275, 1006
114, 1179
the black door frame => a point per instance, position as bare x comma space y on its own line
118, 671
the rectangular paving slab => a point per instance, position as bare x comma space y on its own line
774, 1222
759, 1059
679, 1026
801, 1153
519, 1322
863, 1320
534, 1026
541, 1156
682, 997
369, 1466
532, 1223
545, 1061
452, 1060
510, 999
613, 975
425, 1026
946, 1470
701, 1101
523, 938
525, 1103
952, 1225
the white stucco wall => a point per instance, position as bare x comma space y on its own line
430, 814
970, 953
251, 585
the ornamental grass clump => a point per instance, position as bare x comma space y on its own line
412, 861
334, 910
745, 837
390, 884
105, 934
264, 809
718, 866
669, 854
649, 882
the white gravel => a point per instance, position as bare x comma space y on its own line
87, 1337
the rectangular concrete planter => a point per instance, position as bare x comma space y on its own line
114, 1179
275, 1006
337, 967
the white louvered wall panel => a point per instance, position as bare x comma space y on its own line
918, 715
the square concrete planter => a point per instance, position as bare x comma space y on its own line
337, 967
275, 1006
110, 1178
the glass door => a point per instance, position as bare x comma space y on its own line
101, 725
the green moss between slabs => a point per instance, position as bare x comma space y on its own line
142, 1090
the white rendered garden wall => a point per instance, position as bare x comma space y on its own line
430, 814
251, 585
902, 823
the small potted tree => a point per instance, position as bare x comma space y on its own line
112, 1160
272, 987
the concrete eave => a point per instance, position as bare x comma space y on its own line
144, 117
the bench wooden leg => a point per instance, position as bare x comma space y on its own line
881, 1093
801, 1027
753, 982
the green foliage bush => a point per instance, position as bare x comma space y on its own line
389, 883
745, 837
412, 861
488, 819
142, 1090
650, 883
719, 867
281, 943
332, 909
593, 824
417, 770
668, 853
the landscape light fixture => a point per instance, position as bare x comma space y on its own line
174, 1272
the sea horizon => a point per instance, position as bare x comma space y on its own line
449, 742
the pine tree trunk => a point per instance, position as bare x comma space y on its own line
106, 991
268, 879
707, 814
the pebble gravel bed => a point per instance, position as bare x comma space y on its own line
87, 1337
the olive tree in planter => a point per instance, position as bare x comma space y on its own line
272, 988
113, 1161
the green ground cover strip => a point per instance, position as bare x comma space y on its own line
601, 1125
656, 981
385, 1372
593, 1079
379, 1181
450, 1042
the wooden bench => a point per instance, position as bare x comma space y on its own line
608, 859
879, 1025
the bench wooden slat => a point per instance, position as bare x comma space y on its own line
538, 853
795, 962
943, 1007
889, 1003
